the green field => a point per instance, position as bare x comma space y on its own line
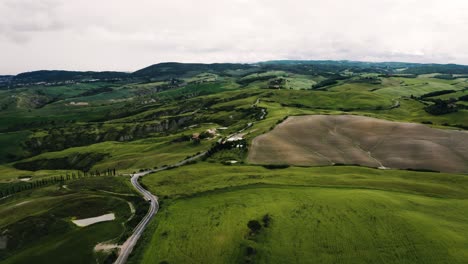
352, 214
319, 225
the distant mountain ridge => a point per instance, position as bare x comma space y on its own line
176, 68
60, 75
167, 70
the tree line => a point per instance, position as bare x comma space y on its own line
14, 188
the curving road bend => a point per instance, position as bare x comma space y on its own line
130, 243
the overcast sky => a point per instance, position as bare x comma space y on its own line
127, 35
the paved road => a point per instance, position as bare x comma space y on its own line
128, 246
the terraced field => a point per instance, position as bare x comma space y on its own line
347, 139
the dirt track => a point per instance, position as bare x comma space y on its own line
347, 139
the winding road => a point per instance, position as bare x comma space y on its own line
127, 247
130, 243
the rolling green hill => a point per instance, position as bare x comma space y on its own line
70, 140
356, 215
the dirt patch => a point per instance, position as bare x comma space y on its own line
25, 179
132, 208
105, 247
347, 139
94, 220
21, 203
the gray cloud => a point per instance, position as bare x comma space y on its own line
127, 35
21, 18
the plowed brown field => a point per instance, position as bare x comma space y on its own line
347, 139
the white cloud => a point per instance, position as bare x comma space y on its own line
127, 35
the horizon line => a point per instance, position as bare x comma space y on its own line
249, 63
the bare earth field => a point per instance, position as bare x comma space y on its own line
347, 139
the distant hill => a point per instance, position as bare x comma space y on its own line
411, 68
5, 78
63, 76
346, 63
173, 69
438, 68
167, 70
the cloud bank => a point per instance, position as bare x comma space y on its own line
127, 35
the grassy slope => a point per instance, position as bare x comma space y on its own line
353, 214
412, 111
318, 225
39, 220
420, 86
332, 99
10, 144
355, 98
129, 156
